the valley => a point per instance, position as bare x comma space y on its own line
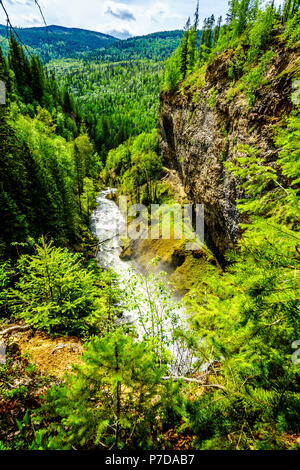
119, 343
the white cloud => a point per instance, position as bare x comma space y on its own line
118, 10
132, 17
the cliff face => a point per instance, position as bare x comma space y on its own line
201, 126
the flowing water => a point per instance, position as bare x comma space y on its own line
107, 223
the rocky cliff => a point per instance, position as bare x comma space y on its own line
204, 123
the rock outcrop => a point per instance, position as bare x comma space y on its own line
201, 126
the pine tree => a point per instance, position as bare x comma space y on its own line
37, 78
19, 63
3, 66
184, 49
80, 171
67, 101
56, 293
192, 42
217, 31
115, 400
286, 10
241, 20
232, 11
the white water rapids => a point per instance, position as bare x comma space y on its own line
106, 223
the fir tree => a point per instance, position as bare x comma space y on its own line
37, 78
185, 49
129, 401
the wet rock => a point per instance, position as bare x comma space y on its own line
58, 347
2, 353
69, 346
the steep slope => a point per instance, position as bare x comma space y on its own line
218, 115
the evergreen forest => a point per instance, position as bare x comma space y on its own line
189, 350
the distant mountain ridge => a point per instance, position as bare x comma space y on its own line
59, 41
55, 42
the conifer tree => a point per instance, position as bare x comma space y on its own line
37, 78
80, 171
286, 10
184, 49
241, 20
19, 63
217, 31
67, 101
192, 41
129, 400
56, 293
3, 66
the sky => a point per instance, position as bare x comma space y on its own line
120, 18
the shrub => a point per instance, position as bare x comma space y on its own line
57, 294
115, 400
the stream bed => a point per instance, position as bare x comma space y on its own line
107, 223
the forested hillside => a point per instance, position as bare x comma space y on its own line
118, 100
206, 357
47, 160
155, 46
52, 42
55, 42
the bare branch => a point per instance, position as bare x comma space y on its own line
197, 381
15, 329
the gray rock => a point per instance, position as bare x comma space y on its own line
2, 353
198, 134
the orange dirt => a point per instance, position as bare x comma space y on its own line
52, 355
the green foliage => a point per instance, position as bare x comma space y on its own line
287, 139
260, 32
248, 31
183, 60
173, 76
243, 323
292, 30
252, 80
118, 100
156, 46
20, 385
38, 166
115, 400
5, 275
26, 83
136, 167
57, 41
213, 94
249, 317
58, 294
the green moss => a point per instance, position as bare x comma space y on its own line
192, 273
233, 91
222, 157
194, 83
212, 98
